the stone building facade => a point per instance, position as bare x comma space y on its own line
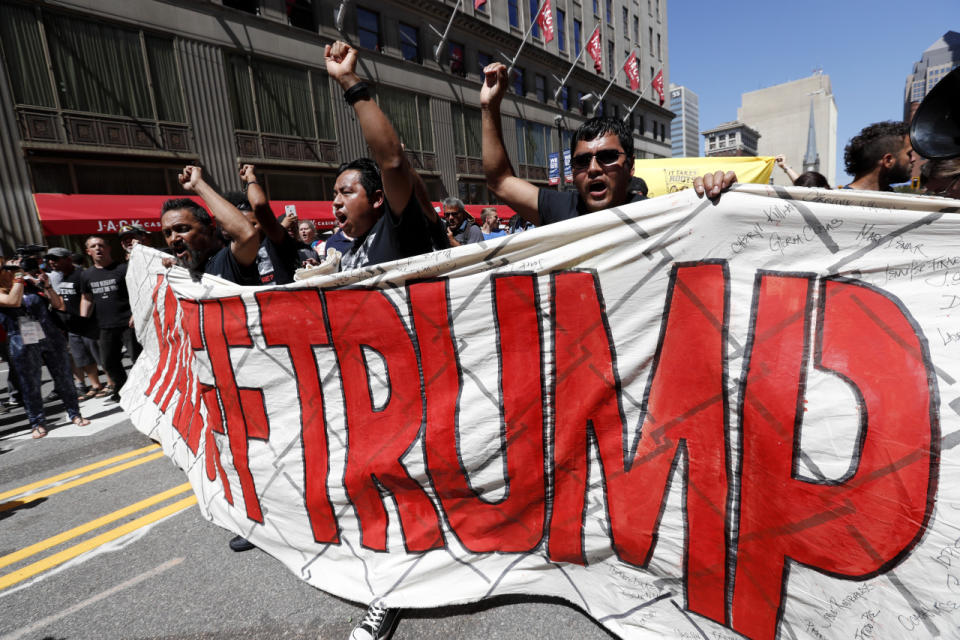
114, 97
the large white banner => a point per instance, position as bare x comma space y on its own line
688, 419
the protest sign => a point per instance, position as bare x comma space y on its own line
686, 418
668, 175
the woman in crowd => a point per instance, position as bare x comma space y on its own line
34, 339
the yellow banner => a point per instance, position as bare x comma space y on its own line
666, 175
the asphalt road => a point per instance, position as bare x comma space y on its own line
100, 538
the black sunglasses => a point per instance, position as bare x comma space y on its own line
605, 158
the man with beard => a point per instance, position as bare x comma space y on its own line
601, 159
879, 156
192, 235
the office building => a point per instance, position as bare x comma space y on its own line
685, 126
939, 59
797, 119
730, 139
114, 97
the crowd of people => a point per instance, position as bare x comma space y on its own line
383, 214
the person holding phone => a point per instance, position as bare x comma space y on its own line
25, 301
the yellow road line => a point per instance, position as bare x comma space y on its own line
60, 538
108, 536
69, 474
13, 504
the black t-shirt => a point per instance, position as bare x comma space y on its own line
223, 264
69, 290
555, 206
391, 239
108, 287
276, 264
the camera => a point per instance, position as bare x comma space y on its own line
30, 256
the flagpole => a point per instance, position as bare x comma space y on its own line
639, 98
526, 37
609, 84
443, 36
556, 94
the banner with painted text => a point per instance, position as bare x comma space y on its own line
689, 419
668, 175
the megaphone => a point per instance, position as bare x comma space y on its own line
935, 128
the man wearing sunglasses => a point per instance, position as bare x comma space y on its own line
601, 159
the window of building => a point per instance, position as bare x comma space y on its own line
625, 21
250, 6
410, 42
271, 98
636, 29
483, 59
577, 31
518, 84
610, 64
300, 14
534, 7
540, 85
410, 115
658, 10
596, 8
610, 12
601, 109
643, 126
283, 100
659, 56
466, 131
514, 13
561, 30
651, 41
97, 67
368, 29
457, 59
581, 103
532, 143
650, 7
565, 98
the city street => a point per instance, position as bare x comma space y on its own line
100, 538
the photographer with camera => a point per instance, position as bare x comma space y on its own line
25, 300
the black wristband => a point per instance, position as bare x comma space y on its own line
359, 91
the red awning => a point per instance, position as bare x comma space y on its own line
88, 214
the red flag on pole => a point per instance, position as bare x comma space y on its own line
657, 84
595, 49
633, 71
479, 3
545, 20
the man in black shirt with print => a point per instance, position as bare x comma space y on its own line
381, 203
83, 334
104, 296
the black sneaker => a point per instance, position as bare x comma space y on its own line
239, 543
377, 624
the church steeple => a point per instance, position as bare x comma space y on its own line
811, 160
